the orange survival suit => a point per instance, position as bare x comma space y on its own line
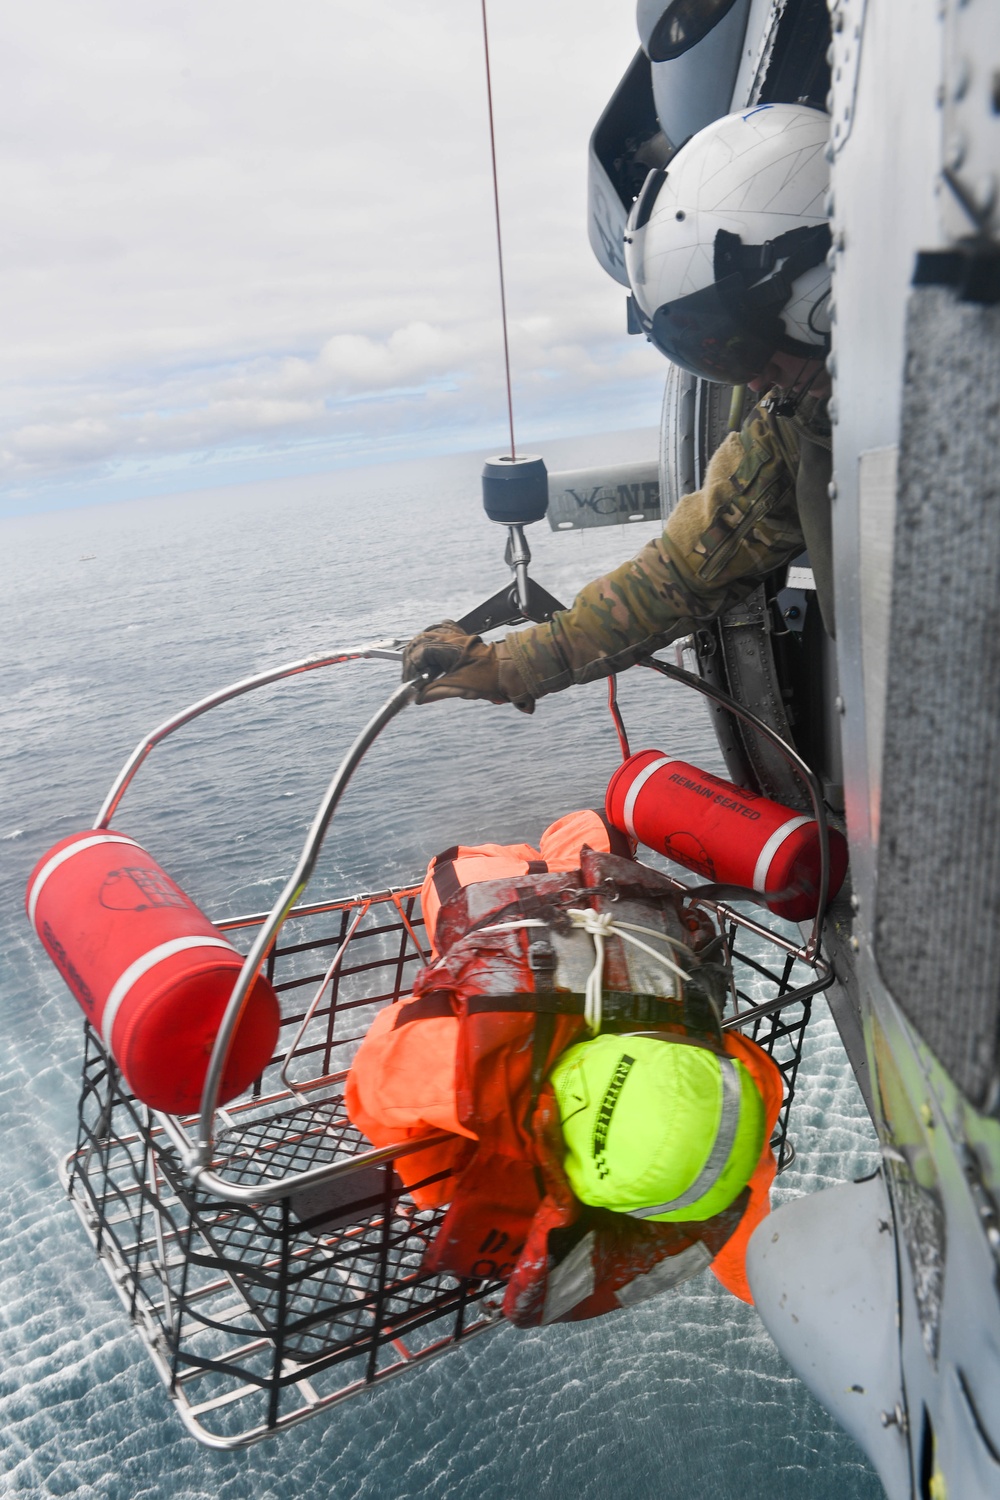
469, 1055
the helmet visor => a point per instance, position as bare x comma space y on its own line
704, 335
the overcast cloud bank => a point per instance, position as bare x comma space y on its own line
246, 240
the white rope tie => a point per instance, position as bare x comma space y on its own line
509, 926
599, 925
602, 925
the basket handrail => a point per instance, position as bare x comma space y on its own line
294, 887
379, 650
212, 1181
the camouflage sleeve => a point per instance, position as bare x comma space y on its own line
718, 543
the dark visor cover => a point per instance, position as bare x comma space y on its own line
701, 334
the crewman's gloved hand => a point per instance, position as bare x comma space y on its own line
464, 666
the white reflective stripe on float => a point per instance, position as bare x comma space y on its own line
636, 788
142, 966
61, 858
765, 858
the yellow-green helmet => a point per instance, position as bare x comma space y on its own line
656, 1127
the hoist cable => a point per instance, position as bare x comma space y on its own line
496, 206
616, 715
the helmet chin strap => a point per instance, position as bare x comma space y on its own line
791, 399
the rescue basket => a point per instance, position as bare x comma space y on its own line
269, 1257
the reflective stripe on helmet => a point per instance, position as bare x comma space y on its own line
725, 1139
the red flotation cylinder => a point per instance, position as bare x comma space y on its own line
723, 832
151, 973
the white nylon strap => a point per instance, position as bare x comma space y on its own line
765, 858
61, 858
636, 788
142, 966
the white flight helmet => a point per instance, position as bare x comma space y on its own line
726, 246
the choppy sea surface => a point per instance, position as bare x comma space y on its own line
112, 619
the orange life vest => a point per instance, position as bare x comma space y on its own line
469, 1054
403, 1083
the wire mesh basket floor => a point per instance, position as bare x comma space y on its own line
259, 1306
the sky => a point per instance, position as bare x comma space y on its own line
246, 240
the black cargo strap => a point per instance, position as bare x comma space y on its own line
542, 1034
437, 1003
444, 876
446, 883
620, 1008
542, 962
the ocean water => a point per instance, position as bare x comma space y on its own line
112, 619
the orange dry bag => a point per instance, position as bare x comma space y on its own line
150, 971
724, 832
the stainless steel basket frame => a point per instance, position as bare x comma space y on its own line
162, 1197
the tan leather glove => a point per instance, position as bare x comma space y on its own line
464, 666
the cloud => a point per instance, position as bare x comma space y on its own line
416, 351
417, 375
260, 230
